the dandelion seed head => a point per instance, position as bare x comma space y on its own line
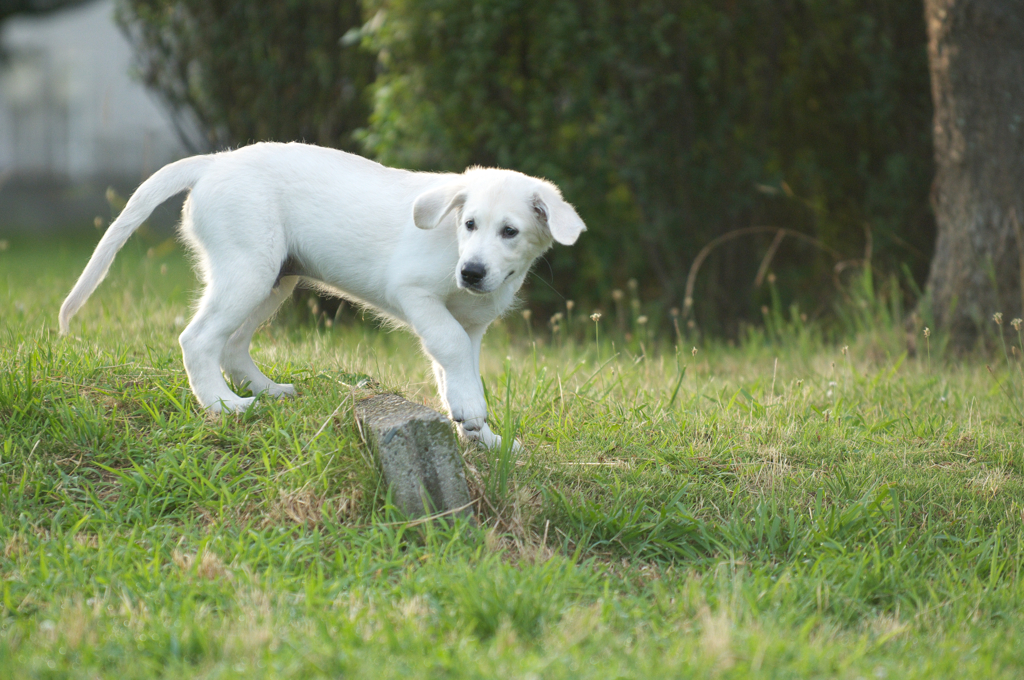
596, 316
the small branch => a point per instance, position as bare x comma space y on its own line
691, 278
326, 423
766, 261
428, 518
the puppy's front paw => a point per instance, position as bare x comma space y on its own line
280, 390
483, 435
470, 414
487, 438
231, 405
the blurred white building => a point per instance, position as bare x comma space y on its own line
68, 106
69, 110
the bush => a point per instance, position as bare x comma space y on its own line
667, 123
671, 123
233, 73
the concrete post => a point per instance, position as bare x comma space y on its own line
418, 454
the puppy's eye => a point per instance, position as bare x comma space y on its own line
509, 232
470, 225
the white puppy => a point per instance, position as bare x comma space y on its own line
442, 253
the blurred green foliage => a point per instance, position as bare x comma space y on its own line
668, 123
233, 73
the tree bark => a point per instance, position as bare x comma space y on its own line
976, 58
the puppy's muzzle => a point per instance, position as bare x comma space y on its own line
472, 274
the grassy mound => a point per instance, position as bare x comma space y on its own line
780, 509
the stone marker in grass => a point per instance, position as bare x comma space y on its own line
418, 455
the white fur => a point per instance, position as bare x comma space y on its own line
394, 240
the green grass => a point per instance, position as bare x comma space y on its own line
779, 509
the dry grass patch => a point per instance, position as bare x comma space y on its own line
15, 547
716, 638
990, 480
767, 473
206, 565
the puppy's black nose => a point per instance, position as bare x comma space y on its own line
473, 273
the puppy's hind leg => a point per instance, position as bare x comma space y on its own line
235, 358
234, 292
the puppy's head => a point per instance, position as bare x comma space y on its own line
503, 219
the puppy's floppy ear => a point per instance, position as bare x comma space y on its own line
560, 217
432, 206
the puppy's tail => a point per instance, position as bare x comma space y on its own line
170, 180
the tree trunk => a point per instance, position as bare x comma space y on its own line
976, 58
